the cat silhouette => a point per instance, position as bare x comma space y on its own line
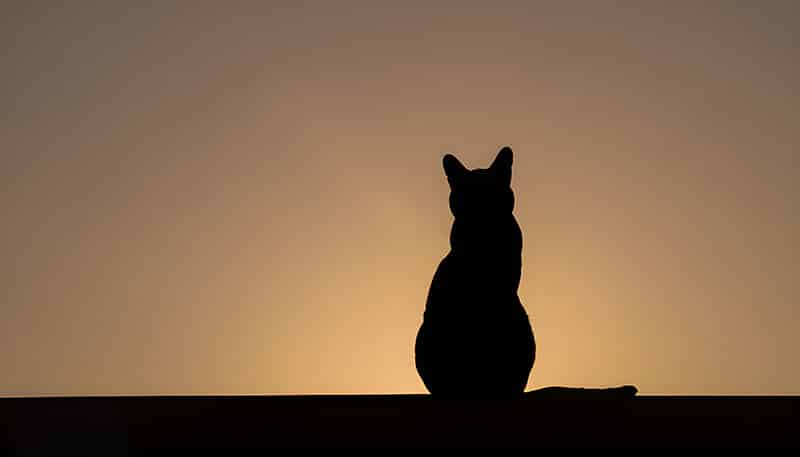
475, 339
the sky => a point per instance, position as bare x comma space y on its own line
205, 198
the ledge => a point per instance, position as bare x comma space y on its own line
544, 419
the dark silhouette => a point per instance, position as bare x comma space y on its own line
476, 339
475, 342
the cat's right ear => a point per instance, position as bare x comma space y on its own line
453, 168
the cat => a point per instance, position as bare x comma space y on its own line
476, 339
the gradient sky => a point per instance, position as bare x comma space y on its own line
213, 199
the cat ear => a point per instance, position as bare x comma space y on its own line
453, 168
502, 164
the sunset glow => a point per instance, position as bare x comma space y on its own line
251, 200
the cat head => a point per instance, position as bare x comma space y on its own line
482, 192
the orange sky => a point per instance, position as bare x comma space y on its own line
250, 200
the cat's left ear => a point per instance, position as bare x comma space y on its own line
502, 164
453, 168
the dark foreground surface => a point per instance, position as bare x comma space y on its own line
549, 418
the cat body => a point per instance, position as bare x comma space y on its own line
476, 339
